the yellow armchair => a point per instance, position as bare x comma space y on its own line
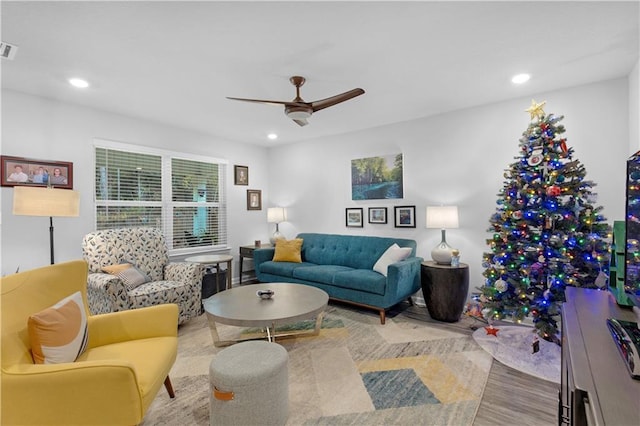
127, 360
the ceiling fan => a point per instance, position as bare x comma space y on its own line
298, 110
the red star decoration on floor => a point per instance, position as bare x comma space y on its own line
492, 330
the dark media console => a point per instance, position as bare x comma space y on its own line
596, 387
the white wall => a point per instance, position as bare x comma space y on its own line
456, 158
634, 109
39, 128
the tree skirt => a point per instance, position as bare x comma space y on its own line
513, 346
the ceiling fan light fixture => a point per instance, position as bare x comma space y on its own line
297, 113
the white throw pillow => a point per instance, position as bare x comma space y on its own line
394, 254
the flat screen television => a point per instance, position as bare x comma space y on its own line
632, 230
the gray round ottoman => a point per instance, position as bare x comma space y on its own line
249, 384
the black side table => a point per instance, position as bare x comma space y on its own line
247, 251
445, 289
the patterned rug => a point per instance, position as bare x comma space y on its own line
355, 372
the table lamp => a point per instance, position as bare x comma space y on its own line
38, 201
442, 217
276, 215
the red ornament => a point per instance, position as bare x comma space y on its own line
563, 146
492, 330
553, 191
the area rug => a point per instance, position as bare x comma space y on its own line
513, 346
356, 372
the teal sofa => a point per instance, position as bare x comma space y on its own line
342, 265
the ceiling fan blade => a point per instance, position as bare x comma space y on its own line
301, 122
333, 100
262, 101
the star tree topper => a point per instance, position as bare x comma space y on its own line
536, 109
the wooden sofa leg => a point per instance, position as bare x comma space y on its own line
169, 387
383, 316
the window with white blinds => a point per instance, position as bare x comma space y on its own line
182, 195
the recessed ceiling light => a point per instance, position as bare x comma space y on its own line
79, 83
520, 78
272, 136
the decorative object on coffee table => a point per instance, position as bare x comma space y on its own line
445, 290
442, 217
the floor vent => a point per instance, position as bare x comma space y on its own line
8, 51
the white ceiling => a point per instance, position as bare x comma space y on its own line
175, 62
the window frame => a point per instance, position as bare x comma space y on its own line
166, 203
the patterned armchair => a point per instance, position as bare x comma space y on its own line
178, 283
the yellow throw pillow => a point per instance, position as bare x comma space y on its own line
288, 251
59, 334
114, 269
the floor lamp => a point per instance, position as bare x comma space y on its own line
37, 201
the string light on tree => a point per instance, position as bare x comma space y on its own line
546, 231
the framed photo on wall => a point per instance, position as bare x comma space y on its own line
405, 216
254, 199
353, 217
29, 172
377, 215
240, 175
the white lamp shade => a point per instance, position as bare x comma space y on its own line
30, 201
442, 217
275, 215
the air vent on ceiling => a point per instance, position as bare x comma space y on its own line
8, 51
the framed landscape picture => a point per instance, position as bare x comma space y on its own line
377, 215
405, 216
29, 172
376, 178
354, 217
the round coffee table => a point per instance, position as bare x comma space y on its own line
241, 306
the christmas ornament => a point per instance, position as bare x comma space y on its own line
536, 157
492, 330
501, 285
517, 214
553, 191
536, 109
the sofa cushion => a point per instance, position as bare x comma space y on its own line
288, 251
59, 334
394, 254
284, 269
365, 280
320, 273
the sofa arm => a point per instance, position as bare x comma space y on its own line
260, 256
403, 278
71, 393
141, 323
106, 293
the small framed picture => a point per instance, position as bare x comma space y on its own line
377, 215
405, 216
240, 175
24, 171
354, 217
254, 199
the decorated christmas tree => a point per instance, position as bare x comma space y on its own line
546, 232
